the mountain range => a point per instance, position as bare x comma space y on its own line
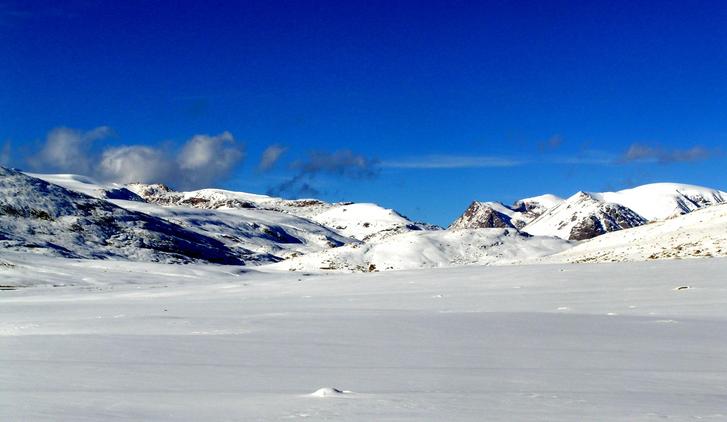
586, 215
73, 216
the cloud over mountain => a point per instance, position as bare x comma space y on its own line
341, 163
200, 162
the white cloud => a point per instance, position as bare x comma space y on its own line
202, 161
205, 159
67, 150
135, 164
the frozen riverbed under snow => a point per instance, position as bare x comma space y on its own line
125, 341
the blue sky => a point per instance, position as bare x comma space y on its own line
419, 106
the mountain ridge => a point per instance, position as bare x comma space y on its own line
589, 214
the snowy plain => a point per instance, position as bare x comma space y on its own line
117, 340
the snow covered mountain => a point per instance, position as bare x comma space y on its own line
357, 221
429, 249
702, 233
232, 218
498, 215
262, 224
658, 201
74, 216
589, 214
583, 216
42, 217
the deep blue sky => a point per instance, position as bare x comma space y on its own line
513, 98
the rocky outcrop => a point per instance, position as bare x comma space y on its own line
482, 215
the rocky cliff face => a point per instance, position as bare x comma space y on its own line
482, 215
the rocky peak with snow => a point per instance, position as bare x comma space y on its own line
498, 215
484, 215
535, 206
583, 216
586, 215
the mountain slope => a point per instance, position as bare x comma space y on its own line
658, 201
583, 216
262, 231
429, 249
39, 216
233, 218
702, 233
357, 221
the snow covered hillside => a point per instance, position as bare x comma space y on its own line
429, 249
42, 217
267, 225
702, 233
658, 201
357, 221
129, 341
233, 218
582, 216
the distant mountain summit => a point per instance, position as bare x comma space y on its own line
587, 215
498, 215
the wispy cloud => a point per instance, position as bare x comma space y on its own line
441, 161
551, 144
271, 156
657, 154
5, 153
586, 157
342, 163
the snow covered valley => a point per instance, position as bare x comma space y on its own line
120, 340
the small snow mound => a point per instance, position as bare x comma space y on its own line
328, 392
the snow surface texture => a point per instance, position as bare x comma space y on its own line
130, 341
429, 249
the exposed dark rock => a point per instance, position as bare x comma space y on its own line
482, 215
